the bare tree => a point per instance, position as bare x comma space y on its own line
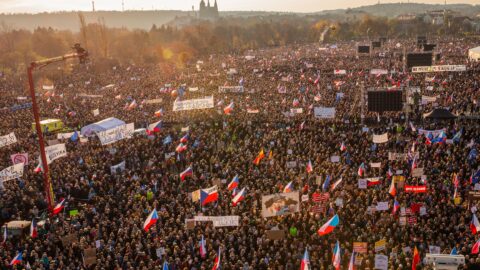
83, 29
103, 36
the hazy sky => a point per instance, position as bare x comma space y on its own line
33, 6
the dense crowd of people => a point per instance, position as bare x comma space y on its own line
112, 207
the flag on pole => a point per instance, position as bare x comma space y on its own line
474, 225
329, 226
392, 190
203, 249
476, 247
351, 264
234, 183
216, 264
187, 172
416, 258
151, 220
305, 265
59, 207
361, 169
338, 182
309, 166
17, 259
240, 196
288, 188
336, 256
260, 156
33, 229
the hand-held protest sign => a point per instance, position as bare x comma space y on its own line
8, 139
193, 104
116, 134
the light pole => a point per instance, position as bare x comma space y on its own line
44, 165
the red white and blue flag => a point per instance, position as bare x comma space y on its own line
239, 197
288, 188
203, 249
309, 167
216, 264
334, 186
151, 220
474, 225
389, 173
305, 265
186, 173
185, 138
343, 147
329, 226
229, 109
17, 259
208, 195
392, 190
234, 184
154, 128
159, 113
361, 169
336, 256
351, 264
181, 147
59, 207
33, 229
396, 206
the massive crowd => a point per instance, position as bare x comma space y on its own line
112, 207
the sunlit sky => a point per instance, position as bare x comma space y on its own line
34, 6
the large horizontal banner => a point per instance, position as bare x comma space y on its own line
280, 204
382, 138
443, 68
63, 136
324, 112
427, 99
219, 221
435, 132
54, 152
415, 189
193, 104
153, 101
116, 134
8, 139
377, 71
231, 89
11, 172
400, 156
89, 96
23, 106
119, 167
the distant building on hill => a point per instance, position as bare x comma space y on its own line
208, 12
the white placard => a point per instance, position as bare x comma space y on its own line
114, 168
63, 136
335, 159
383, 138
339, 72
193, 89
427, 99
377, 71
153, 101
381, 262
443, 68
231, 89
434, 249
375, 164
382, 206
116, 134
324, 112
362, 183
296, 110
305, 198
11, 172
96, 112
54, 152
8, 139
226, 221
193, 104
19, 158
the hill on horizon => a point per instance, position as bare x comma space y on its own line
137, 19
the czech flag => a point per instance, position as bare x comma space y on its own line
351, 264
389, 173
416, 258
17, 259
159, 113
334, 186
288, 188
33, 229
151, 220
239, 197
132, 105
184, 139
203, 249
343, 147
234, 183
414, 163
329, 226
309, 167
216, 264
229, 109
208, 195
39, 168
476, 247
155, 127
305, 261
396, 206
475, 225
295, 102
392, 190
302, 125
187, 172
361, 169
181, 147
59, 207
336, 256
260, 156
234, 192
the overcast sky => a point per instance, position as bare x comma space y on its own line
34, 6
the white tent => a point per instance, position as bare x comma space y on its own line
101, 126
474, 53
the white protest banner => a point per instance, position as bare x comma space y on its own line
305, 198
8, 139
334, 159
435, 133
382, 206
280, 204
417, 172
96, 112
120, 166
48, 87
427, 99
11, 172
226, 221
231, 89
339, 72
324, 112
54, 152
362, 183
381, 262
89, 96
296, 110
153, 101
253, 110
193, 104
19, 158
375, 164
383, 138
193, 89
116, 134
434, 249
443, 68
63, 136
377, 71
